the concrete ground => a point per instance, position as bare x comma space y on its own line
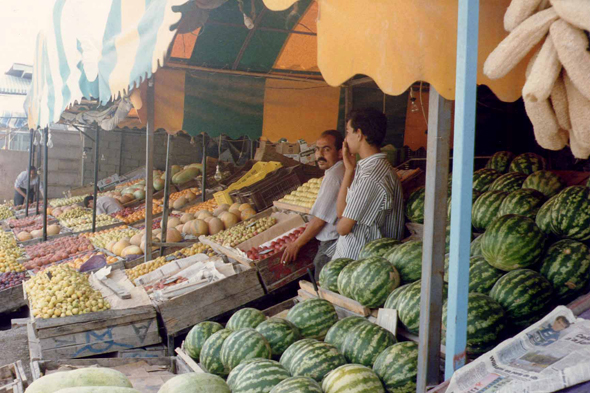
13, 342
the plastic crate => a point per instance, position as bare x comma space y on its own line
263, 194
258, 172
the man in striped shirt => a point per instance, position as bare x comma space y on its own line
370, 200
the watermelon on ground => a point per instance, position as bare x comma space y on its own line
377, 248
500, 161
483, 179
544, 217
486, 209
260, 377
195, 339
524, 295
352, 378
415, 205
570, 214
397, 366
329, 273
313, 317
244, 344
211, 353
527, 163
373, 280
475, 249
395, 297
340, 329
567, 267
407, 260
245, 318
365, 342
524, 202
315, 360
508, 182
512, 242
546, 182
279, 333
297, 385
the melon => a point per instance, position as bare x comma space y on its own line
215, 226
24, 236
173, 222
245, 206
37, 233
131, 250
229, 219
352, 378
217, 212
173, 236
235, 205
202, 214
120, 246
235, 211
179, 203
195, 383
135, 240
179, 228
77, 378
247, 213
112, 243
139, 195
53, 229
190, 196
195, 339
98, 389
186, 217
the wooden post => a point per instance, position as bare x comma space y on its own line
433, 250
149, 167
164, 224
95, 192
466, 95
45, 181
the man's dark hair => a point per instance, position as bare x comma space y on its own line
87, 200
564, 320
337, 135
33, 168
371, 122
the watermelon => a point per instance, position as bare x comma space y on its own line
486, 208
407, 260
198, 335
500, 161
211, 353
373, 280
544, 217
297, 385
313, 317
365, 342
512, 242
567, 267
188, 383
415, 205
233, 375
345, 277
352, 378
397, 366
448, 238
508, 182
485, 321
329, 274
483, 179
482, 275
474, 195
340, 329
288, 356
377, 248
279, 333
315, 360
524, 294
527, 163
259, 377
408, 307
570, 214
245, 318
546, 182
524, 202
244, 344
475, 249
394, 297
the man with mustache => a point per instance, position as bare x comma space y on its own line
328, 153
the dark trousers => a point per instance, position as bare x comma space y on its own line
19, 199
321, 258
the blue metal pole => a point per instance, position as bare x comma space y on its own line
464, 141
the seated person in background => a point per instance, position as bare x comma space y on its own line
104, 204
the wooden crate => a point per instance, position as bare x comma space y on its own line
12, 298
12, 378
93, 334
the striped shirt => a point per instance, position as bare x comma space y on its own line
324, 207
375, 202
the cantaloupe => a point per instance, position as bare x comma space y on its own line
37, 233
179, 203
24, 236
57, 212
131, 250
120, 246
156, 231
186, 227
190, 196
195, 383
215, 225
53, 383
199, 227
173, 236
98, 389
136, 239
173, 222
139, 195
186, 217
244, 206
110, 245
202, 214
179, 227
228, 219
53, 229
222, 208
235, 206
235, 211
208, 218
248, 213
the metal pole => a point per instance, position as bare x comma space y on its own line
464, 142
433, 249
29, 173
204, 183
45, 181
149, 166
166, 195
38, 149
95, 192
252, 149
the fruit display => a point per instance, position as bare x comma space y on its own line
275, 246
305, 195
146, 268
415, 205
80, 259
337, 333
190, 194
329, 274
279, 333
6, 211
397, 367
196, 337
194, 383
210, 223
23, 222
364, 342
352, 377
196, 248
483, 179
11, 279
525, 202
297, 384
245, 318
85, 380
209, 205
486, 208
546, 182
313, 359
243, 231
345, 279
508, 182
61, 202
135, 214
243, 344
35, 231
52, 251
407, 260
10, 252
378, 248
500, 161
372, 280
570, 213
211, 353
102, 239
313, 317
61, 291
527, 163
259, 376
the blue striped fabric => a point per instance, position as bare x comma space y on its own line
97, 49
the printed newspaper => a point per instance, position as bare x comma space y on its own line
550, 355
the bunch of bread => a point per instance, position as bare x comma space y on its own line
557, 89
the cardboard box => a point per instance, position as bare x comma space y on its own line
288, 148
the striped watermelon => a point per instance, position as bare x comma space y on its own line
315, 360
329, 274
345, 279
191, 382
340, 329
486, 208
546, 182
508, 182
524, 202
448, 238
527, 163
544, 216
512, 242
407, 260
408, 306
394, 298
373, 280
415, 205
397, 366
500, 161
482, 276
279, 333
313, 317
567, 267
245, 318
198, 335
233, 375
570, 215
297, 385
483, 179
211, 353
244, 344
365, 342
260, 377
524, 294
485, 321
352, 378
378, 247
288, 356
475, 249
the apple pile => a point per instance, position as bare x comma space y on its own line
11, 279
275, 247
42, 254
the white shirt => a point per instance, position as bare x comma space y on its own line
108, 205
22, 178
324, 207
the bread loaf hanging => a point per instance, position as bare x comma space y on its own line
518, 11
559, 104
547, 132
